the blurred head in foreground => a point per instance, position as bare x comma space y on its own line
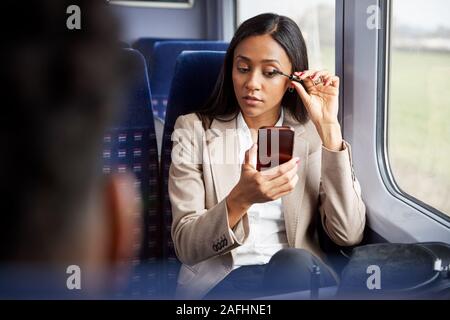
58, 98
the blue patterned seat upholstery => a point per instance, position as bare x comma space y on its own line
146, 47
196, 73
163, 66
130, 146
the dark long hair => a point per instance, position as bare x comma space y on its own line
222, 102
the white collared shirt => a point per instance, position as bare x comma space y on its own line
267, 229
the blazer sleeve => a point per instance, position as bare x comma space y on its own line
198, 233
342, 210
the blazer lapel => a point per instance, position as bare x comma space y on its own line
292, 201
223, 148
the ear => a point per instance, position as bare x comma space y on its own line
122, 217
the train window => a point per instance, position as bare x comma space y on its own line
315, 19
418, 112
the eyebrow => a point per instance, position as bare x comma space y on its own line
264, 60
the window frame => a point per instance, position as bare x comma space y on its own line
362, 64
382, 121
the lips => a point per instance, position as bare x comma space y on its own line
251, 98
251, 101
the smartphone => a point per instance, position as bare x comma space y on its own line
275, 146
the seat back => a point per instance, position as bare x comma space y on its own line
196, 73
164, 58
130, 146
145, 46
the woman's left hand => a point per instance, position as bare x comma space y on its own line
321, 100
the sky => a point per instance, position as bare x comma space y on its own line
423, 14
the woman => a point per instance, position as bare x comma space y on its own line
245, 233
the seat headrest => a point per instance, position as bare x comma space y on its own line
196, 74
137, 108
165, 55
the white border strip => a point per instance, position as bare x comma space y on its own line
154, 4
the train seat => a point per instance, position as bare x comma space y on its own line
130, 146
163, 66
195, 75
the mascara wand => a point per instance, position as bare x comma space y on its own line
296, 78
291, 77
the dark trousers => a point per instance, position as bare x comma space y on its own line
288, 270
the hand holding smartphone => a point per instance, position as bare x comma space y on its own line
275, 146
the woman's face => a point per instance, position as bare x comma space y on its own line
258, 91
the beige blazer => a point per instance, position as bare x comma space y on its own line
200, 180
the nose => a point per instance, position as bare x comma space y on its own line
253, 82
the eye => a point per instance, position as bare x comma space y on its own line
243, 69
272, 73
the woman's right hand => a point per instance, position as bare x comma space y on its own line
260, 186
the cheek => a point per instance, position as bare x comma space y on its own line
237, 80
279, 87
234, 75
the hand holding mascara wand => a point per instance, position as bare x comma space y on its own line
296, 78
319, 92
